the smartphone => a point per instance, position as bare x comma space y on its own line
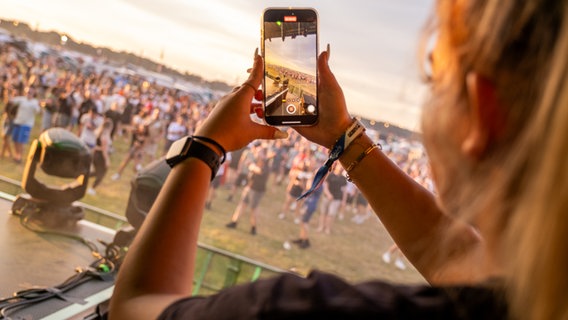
289, 41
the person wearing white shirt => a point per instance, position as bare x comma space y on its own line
176, 130
28, 107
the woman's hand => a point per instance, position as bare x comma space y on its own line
333, 117
229, 122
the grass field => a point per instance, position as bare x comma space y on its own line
352, 251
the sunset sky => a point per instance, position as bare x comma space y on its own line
373, 43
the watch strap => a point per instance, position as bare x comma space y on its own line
194, 149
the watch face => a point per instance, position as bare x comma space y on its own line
176, 150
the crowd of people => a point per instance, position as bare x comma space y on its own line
491, 243
102, 107
98, 106
293, 162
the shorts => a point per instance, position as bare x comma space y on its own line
333, 207
62, 120
252, 198
21, 133
311, 207
361, 200
296, 191
242, 180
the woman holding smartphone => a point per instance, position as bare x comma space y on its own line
493, 245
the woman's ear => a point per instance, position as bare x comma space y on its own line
486, 119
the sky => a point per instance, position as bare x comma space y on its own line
374, 43
297, 54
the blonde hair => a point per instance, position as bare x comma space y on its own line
522, 46
538, 230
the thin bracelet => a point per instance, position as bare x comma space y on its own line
215, 143
359, 158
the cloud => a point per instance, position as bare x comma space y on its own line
373, 42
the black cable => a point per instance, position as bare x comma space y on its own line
24, 221
101, 269
32, 296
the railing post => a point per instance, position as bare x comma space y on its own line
233, 271
205, 267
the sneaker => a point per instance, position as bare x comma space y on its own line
399, 264
281, 216
253, 231
139, 168
297, 241
115, 176
231, 225
305, 244
91, 191
387, 257
287, 245
296, 220
359, 219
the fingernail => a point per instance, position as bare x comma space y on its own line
328, 51
255, 53
280, 134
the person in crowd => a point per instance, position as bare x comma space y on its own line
350, 190
233, 170
361, 204
335, 199
49, 108
101, 156
242, 173
175, 131
114, 114
254, 190
136, 151
24, 120
393, 252
86, 105
219, 180
279, 156
492, 243
8, 115
155, 133
297, 182
65, 106
311, 205
89, 124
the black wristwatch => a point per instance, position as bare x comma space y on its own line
188, 147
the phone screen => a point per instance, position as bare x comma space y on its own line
290, 47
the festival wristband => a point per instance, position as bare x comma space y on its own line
354, 131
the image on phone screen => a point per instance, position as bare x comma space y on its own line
290, 57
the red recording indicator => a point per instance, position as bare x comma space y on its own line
290, 18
